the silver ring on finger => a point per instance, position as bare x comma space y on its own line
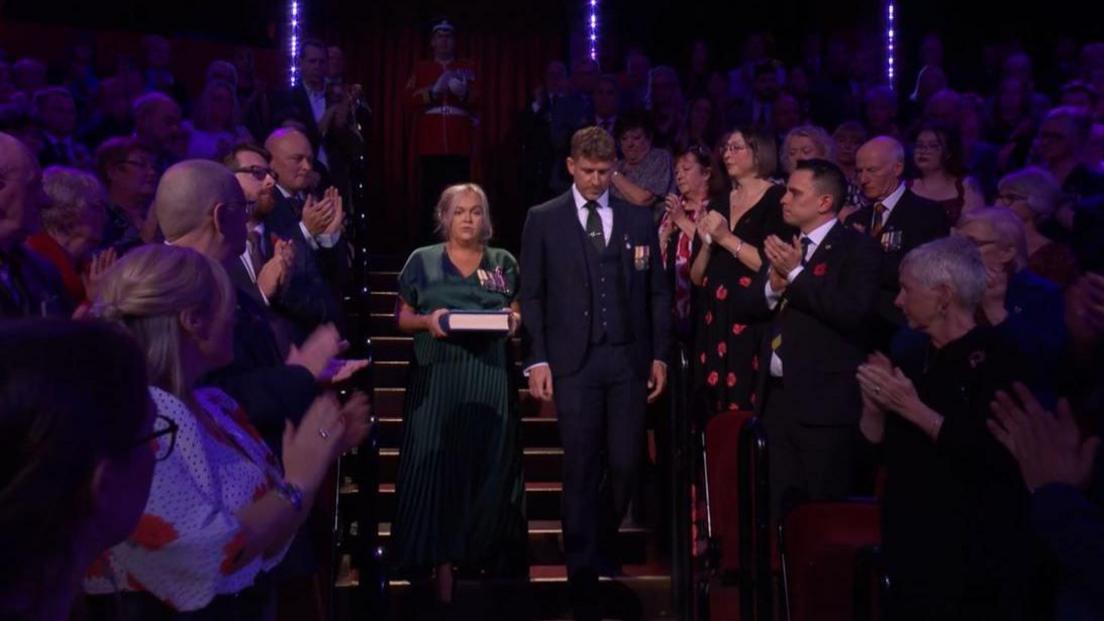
323, 433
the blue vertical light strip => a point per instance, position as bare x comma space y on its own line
891, 42
592, 29
293, 42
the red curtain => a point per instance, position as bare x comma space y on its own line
510, 53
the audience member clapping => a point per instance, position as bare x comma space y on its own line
221, 510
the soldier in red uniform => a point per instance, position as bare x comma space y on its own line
442, 94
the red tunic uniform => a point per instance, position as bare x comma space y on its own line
444, 124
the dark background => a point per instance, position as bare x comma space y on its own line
511, 42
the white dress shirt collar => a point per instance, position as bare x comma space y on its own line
580, 202
817, 235
891, 201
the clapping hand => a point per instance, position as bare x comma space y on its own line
97, 267
356, 415
339, 370
318, 350
716, 225
318, 215
338, 219
1049, 447
783, 257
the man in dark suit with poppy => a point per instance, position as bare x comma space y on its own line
822, 287
896, 218
596, 310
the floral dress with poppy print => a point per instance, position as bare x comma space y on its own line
184, 551
727, 341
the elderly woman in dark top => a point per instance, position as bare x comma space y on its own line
1027, 309
955, 529
643, 175
1033, 194
129, 172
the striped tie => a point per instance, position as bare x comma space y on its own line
776, 328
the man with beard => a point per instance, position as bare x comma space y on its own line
260, 279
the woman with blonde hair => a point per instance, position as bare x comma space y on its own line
221, 511
460, 496
804, 143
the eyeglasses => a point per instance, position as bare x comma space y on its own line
162, 440
259, 172
733, 147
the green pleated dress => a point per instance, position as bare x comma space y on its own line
460, 494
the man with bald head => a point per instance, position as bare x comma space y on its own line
29, 285
314, 226
895, 217
201, 206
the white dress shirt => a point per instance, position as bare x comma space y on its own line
815, 237
889, 203
605, 212
318, 108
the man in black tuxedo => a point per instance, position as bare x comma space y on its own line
822, 285
895, 218
320, 265
597, 310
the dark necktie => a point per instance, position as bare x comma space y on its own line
805, 242
594, 227
879, 220
256, 257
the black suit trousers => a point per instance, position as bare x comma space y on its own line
806, 462
601, 418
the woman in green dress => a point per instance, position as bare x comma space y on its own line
461, 498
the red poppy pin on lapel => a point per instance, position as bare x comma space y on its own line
820, 269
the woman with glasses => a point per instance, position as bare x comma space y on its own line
222, 510
75, 462
937, 153
732, 235
129, 172
1027, 309
1033, 195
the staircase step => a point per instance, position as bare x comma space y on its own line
389, 403
546, 543
643, 593
538, 464
383, 280
536, 432
542, 499
381, 301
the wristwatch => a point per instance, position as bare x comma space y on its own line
291, 493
